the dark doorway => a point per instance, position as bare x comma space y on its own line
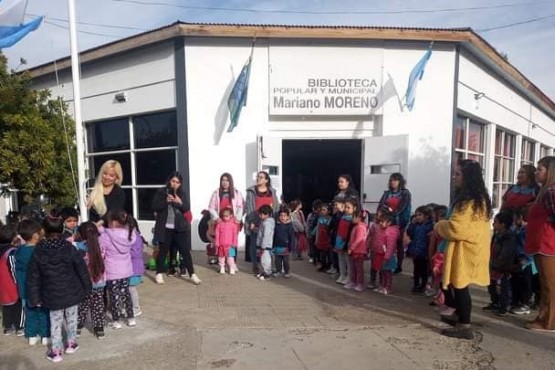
311, 168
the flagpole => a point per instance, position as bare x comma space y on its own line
79, 138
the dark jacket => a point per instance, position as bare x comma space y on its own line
160, 207
114, 200
419, 238
505, 252
284, 235
57, 275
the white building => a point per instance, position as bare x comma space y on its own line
322, 101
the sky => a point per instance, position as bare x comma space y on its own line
524, 30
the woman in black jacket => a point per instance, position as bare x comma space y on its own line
170, 207
58, 280
107, 194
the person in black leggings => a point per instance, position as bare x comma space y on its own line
172, 227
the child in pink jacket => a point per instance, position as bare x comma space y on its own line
383, 243
357, 251
226, 238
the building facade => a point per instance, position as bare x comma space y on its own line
322, 101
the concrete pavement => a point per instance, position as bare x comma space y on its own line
306, 322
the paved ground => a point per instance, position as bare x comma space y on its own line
306, 322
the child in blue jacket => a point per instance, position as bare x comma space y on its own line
418, 235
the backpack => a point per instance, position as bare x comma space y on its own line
8, 287
203, 226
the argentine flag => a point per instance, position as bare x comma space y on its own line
416, 75
12, 28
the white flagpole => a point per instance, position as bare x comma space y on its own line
75, 74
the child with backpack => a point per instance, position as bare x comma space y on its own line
87, 241
37, 319
58, 280
12, 318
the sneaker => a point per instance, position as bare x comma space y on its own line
520, 310
116, 325
449, 311
349, 285
9, 331
131, 322
137, 312
430, 292
44, 341
501, 312
33, 341
172, 271
287, 275
232, 271
159, 278
385, 291
330, 271
345, 281
379, 290
222, 270
72, 347
263, 277
491, 307
359, 288
183, 273
276, 274
20, 332
99, 333
372, 285
54, 355
195, 279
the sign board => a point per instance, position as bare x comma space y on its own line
321, 80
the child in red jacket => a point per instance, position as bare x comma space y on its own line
226, 231
12, 318
384, 244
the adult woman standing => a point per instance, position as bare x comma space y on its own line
540, 242
524, 192
467, 232
171, 226
345, 188
257, 196
107, 194
397, 198
226, 196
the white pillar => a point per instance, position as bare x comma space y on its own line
75, 74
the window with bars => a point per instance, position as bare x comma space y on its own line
145, 145
528, 155
503, 165
469, 140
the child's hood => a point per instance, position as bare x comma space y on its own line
119, 238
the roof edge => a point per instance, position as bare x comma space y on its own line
180, 29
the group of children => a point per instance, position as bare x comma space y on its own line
514, 276
342, 238
54, 274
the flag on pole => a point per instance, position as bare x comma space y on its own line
12, 28
415, 76
238, 97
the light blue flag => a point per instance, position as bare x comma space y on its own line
12, 28
238, 97
415, 76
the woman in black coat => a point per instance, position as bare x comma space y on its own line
172, 227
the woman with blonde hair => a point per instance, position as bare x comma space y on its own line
540, 242
107, 193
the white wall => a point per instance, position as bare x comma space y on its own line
145, 74
430, 123
501, 104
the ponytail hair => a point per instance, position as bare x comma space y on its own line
123, 219
89, 233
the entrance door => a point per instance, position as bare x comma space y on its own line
269, 160
311, 168
383, 155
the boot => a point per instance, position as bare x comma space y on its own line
461, 331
